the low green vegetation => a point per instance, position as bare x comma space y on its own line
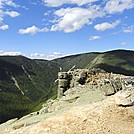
24, 84
117, 61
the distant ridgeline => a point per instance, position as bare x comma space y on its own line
96, 79
117, 61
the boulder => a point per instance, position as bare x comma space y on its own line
63, 83
116, 83
129, 82
124, 98
106, 87
107, 90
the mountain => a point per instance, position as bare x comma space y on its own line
116, 61
26, 84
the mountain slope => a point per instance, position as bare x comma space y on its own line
117, 61
23, 84
80, 60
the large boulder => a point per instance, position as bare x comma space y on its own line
106, 87
107, 90
124, 98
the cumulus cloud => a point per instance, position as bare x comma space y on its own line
56, 3
32, 30
12, 13
4, 27
4, 11
8, 2
106, 26
72, 19
94, 38
118, 6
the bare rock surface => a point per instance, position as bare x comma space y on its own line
124, 98
87, 112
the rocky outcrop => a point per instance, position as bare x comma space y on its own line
108, 83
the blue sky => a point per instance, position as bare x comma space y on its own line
49, 29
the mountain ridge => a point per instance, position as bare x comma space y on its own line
109, 61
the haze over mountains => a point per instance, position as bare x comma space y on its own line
25, 83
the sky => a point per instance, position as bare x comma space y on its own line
48, 29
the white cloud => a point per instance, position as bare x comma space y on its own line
72, 19
54, 55
106, 26
129, 29
44, 56
94, 38
32, 30
32, 56
8, 2
12, 13
38, 56
118, 6
56, 3
3, 53
4, 27
3, 12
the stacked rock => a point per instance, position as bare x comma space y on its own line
64, 83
